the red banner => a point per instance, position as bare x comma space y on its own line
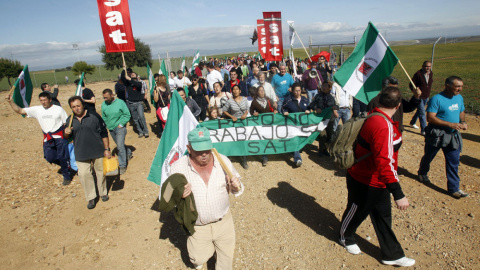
116, 26
273, 31
262, 38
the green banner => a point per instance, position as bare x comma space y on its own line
266, 134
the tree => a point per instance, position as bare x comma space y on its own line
140, 57
82, 66
10, 69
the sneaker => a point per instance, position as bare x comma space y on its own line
414, 126
140, 135
123, 170
146, 135
298, 163
400, 262
66, 182
244, 165
423, 178
353, 249
91, 204
459, 194
105, 198
130, 157
199, 267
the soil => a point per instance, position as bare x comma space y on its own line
287, 218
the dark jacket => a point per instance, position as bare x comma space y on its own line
185, 211
134, 89
419, 81
318, 102
291, 105
87, 136
243, 88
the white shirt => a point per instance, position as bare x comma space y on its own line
213, 77
182, 82
171, 83
343, 96
50, 120
211, 200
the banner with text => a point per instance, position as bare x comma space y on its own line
262, 38
273, 31
266, 134
116, 26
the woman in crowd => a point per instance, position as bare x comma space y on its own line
162, 93
237, 108
261, 104
198, 92
213, 114
292, 104
219, 98
171, 80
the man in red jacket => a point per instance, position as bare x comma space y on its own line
370, 181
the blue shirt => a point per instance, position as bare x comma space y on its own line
447, 108
281, 85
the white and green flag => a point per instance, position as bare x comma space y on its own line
196, 59
22, 95
371, 61
151, 83
182, 66
173, 144
79, 90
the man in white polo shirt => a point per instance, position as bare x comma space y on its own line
213, 76
52, 121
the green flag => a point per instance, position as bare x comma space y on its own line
196, 59
151, 83
163, 70
371, 61
79, 90
22, 95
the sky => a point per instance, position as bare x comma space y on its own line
42, 33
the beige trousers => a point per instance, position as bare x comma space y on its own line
87, 180
216, 237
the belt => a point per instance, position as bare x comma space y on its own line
344, 108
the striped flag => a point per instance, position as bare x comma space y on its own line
173, 144
22, 95
371, 61
182, 66
151, 83
79, 90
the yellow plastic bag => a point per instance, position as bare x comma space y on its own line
110, 166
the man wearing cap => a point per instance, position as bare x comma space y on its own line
210, 186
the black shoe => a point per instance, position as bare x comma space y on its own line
459, 194
66, 182
146, 135
105, 198
91, 204
423, 178
264, 162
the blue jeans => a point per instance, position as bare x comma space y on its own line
296, 156
420, 114
279, 105
343, 114
452, 159
136, 109
311, 94
118, 135
56, 151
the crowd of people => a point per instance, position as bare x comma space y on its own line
235, 89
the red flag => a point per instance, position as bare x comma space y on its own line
322, 53
116, 26
262, 38
273, 31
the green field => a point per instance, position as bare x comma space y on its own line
460, 59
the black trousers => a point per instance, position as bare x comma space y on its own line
364, 200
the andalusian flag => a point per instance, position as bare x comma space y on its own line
173, 144
163, 70
22, 95
151, 83
79, 86
371, 61
196, 59
182, 66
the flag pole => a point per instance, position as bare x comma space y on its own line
71, 120
125, 66
406, 73
224, 167
11, 90
306, 51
